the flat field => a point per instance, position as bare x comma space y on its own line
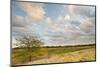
54, 54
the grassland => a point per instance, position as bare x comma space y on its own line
57, 54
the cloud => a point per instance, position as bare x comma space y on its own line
25, 17
59, 24
19, 31
18, 21
33, 10
88, 25
77, 25
87, 11
83, 17
53, 24
21, 25
61, 27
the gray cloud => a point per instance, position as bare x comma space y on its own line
21, 25
87, 11
88, 25
18, 21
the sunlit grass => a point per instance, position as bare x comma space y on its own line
54, 54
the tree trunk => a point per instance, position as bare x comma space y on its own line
30, 58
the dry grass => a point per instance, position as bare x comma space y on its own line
47, 55
77, 56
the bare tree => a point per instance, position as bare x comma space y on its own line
30, 43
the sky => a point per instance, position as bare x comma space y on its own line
54, 24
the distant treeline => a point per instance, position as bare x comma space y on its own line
71, 45
60, 46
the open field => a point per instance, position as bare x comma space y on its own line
57, 54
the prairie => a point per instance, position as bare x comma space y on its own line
54, 54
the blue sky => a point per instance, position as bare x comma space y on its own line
55, 24
54, 10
